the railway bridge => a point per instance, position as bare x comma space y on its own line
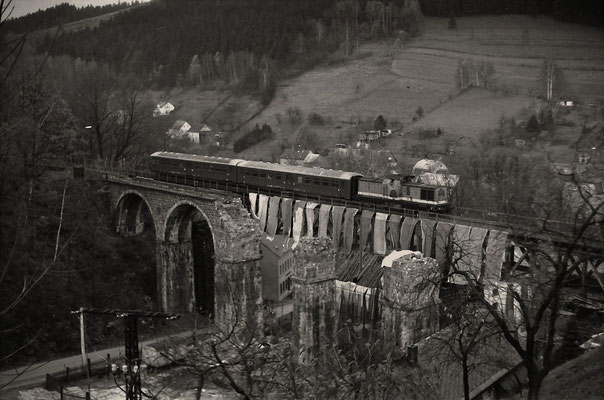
207, 239
207, 245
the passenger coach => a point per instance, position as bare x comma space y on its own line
181, 166
315, 181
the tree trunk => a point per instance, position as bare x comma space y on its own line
346, 38
200, 383
534, 387
466, 380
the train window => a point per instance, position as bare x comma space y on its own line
181, 165
409, 191
316, 182
278, 177
299, 179
306, 180
427, 194
334, 184
270, 176
325, 183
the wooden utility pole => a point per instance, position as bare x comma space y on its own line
133, 358
83, 343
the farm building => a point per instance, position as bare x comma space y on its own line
299, 157
179, 128
163, 108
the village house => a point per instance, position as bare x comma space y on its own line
373, 135
299, 157
277, 266
163, 108
567, 103
179, 128
205, 129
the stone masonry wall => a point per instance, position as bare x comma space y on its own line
314, 319
409, 300
236, 239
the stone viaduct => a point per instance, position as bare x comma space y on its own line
207, 246
208, 255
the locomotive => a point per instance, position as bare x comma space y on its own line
319, 182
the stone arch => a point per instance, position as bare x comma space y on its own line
188, 239
133, 215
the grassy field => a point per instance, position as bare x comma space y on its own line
395, 82
422, 74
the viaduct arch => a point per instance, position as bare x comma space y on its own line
207, 246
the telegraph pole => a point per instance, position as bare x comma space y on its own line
131, 368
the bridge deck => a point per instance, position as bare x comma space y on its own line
519, 226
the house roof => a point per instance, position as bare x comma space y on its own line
349, 269
205, 128
279, 244
179, 124
299, 154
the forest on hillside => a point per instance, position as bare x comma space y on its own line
61, 14
168, 43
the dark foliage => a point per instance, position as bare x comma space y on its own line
316, 119
96, 268
379, 123
580, 11
59, 15
532, 124
252, 137
168, 34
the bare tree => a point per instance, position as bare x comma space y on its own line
533, 284
552, 78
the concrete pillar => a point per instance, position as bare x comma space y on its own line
175, 277
314, 319
409, 300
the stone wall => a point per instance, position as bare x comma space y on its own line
236, 239
314, 320
409, 300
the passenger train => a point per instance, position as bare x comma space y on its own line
319, 182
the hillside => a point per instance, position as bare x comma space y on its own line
422, 74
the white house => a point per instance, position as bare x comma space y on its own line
193, 136
179, 128
567, 103
163, 108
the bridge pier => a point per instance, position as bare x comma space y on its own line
175, 277
207, 248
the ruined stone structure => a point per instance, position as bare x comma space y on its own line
207, 246
314, 320
409, 300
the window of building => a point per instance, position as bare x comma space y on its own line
427, 194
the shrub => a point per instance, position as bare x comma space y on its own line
533, 124
379, 123
252, 137
419, 112
316, 119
